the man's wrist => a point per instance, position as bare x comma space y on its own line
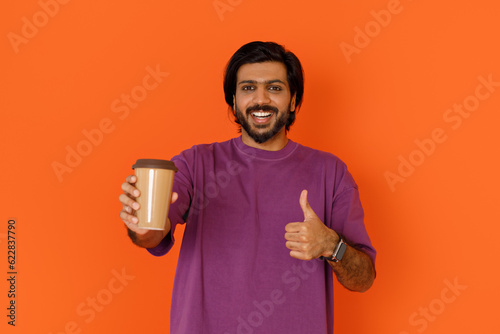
336, 249
147, 240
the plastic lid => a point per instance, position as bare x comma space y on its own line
154, 163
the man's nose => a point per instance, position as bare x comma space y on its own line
261, 96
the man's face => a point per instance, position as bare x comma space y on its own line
262, 101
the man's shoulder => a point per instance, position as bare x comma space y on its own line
209, 147
320, 155
331, 165
204, 149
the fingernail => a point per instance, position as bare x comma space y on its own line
135, 220
136, 193
136, 206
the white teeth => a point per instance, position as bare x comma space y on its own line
261, 114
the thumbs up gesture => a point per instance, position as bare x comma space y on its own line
311, 238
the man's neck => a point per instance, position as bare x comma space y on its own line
275, 143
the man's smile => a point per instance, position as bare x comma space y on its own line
261, 117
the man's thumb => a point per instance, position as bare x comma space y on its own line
304, 204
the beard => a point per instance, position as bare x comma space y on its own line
258, 136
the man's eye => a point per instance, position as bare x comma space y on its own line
275, 88
248, 88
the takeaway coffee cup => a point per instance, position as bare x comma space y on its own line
154, 180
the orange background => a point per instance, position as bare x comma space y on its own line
369, 108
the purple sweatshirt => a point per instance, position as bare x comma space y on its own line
234, 273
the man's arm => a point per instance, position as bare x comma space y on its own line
311, 239
355, 271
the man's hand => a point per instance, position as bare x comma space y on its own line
311, 238
141, 237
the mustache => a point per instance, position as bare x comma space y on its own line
263, 107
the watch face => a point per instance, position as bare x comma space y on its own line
341, 251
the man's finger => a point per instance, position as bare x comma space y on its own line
306, 208
174, 198
127, 218
130, 189
293, 227
299, 255
293, 245
292, 236
125, 200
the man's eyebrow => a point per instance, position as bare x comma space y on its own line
255, 81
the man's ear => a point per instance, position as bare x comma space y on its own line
292, 102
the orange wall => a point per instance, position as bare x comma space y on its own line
385, 81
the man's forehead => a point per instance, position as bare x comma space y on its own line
264, 72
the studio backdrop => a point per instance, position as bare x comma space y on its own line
407, 93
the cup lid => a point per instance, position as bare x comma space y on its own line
154, 163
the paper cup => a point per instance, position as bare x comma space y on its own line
155, 179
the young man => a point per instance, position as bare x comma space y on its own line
268, 221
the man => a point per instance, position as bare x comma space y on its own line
267, 220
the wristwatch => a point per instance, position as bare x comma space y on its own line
338, 252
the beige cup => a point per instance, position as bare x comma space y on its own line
154, 180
